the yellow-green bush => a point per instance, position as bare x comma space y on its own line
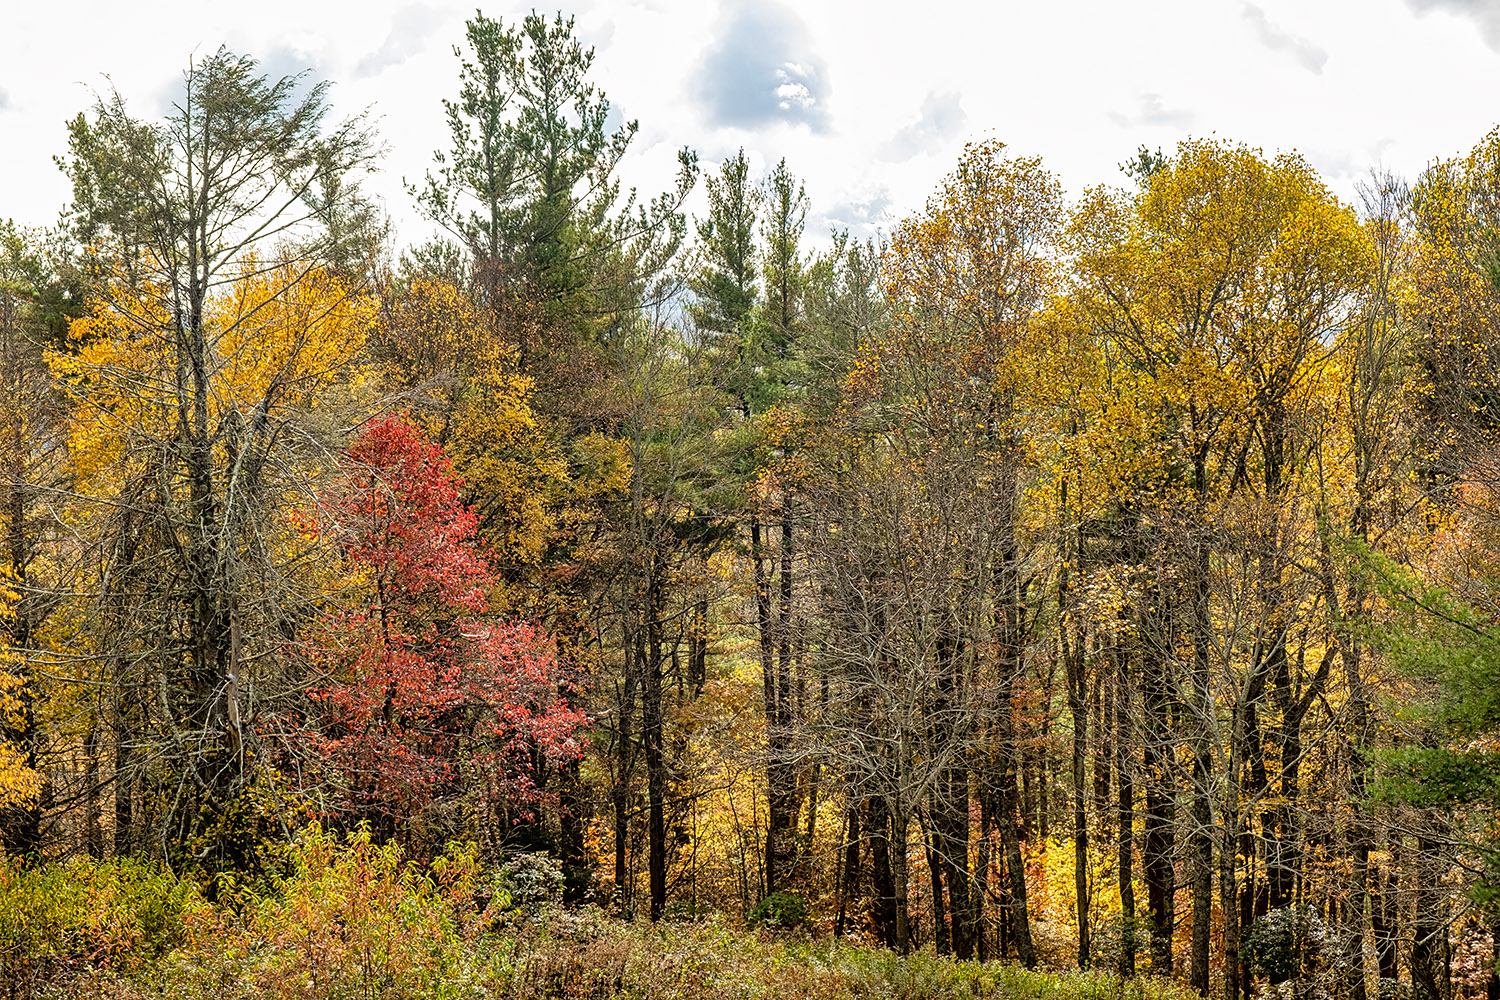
62, 921
353, 919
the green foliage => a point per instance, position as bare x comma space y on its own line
1144, 165
1294, 945
1273, 945
533, 880
36, 267
66, 920
528, 185
1441, 640
779, 910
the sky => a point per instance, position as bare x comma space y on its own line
870, 102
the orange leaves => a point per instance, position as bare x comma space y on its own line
966, 278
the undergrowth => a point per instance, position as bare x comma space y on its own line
352, 920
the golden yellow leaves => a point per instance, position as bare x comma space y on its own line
278, 336
453, 362
981, 256
19, 783
1215, 295
285, 335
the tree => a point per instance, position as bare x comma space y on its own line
429, 701
202, 351
530, 189
920, 561
777, 330
1442, 635
1221, 285
725, 281
36, 303
200, 578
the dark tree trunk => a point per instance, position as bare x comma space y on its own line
20, 825
900, 824
651, 732
1429, 929
1008, 815
849, 871
1077, 708
625, 752
775, 655
935, 871
980, 890
1125, 831
1156, 852
882, 878
1233, 834
950, 812
1008, 760
1202, 837
1384, 916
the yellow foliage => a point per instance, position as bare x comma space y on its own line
460, 374
513, 473
279, 337
19, 784
1214, 298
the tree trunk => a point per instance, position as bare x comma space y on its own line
780, 777
1202, 838
980, 889
625, 769
899, 826
656, 768
849, 870
1156, 852
881, 873
940, 939
1073, 658
20, 825
950, 812
1125, 832
1233, 833
1429, 930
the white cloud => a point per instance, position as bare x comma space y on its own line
842, 95
410, 29
1484, 13
761, 69
1272, 36
1152, 112
942, 119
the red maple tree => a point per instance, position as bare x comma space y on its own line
427, 694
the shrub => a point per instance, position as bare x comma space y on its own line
354, 919
63, 921
531, 880
780, 910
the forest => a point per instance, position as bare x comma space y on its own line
1049, 596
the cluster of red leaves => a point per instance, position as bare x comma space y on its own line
426, 690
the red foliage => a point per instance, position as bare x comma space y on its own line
425, 690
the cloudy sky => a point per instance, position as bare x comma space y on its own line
870, 102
